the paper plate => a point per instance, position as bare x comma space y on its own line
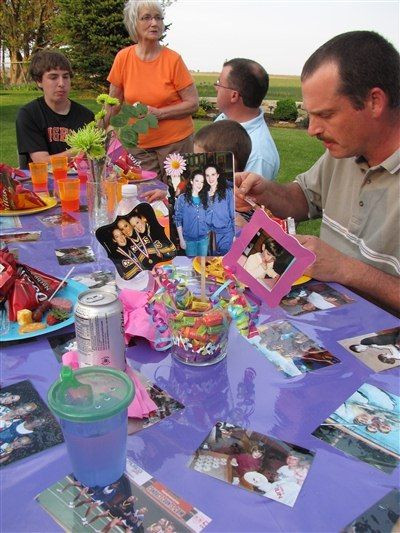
71, 291
50, 202
147, 175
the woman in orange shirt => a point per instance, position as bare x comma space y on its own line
156, 76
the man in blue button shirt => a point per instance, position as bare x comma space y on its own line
241, 87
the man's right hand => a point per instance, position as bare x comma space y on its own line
251, 185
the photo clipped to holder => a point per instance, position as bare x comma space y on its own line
201, 188
136, 242
267, 259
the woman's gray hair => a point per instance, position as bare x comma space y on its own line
131, 14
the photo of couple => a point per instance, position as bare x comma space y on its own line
265, 259
202, 197
269, 467
136, 242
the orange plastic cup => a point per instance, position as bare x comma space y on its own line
39, 176
69, 191
59, 164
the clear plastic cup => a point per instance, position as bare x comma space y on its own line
91, 404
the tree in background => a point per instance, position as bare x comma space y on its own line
24, 27
92, 32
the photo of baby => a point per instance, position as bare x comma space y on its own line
269, 467
265, 259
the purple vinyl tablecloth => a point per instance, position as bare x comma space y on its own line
337, 489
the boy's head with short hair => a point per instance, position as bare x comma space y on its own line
225, 136
46, 60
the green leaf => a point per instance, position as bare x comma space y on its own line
152, 121
118, 120
128, 137
141, 126
131, 111
141, 108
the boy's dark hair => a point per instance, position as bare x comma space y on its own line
249, 78
365, 60
46, 60
226, 136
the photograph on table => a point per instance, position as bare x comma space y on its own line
19, 236
165, 406
60, 219
10, 222
313, 296
379, 350
267, 259
26, 424
201, 188
75, 256
97, 279
366, 426
272, 468
384, 515
136, 502
290, 350
136, 242
62, 343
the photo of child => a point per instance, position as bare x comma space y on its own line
290, 350
272, 468
265, 259
366, 426
202, 204
136, 242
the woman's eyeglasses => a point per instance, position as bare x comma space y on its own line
149, 18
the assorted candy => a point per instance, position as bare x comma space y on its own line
199, 326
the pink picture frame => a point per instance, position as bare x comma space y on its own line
267, 259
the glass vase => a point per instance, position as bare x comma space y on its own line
101, 193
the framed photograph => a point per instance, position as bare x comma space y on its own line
202, 201
267, 259
136, 242
269, 467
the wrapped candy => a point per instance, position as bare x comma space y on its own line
13, 195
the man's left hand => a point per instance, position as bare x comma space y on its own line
329, 262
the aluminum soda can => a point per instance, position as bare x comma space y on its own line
99, 327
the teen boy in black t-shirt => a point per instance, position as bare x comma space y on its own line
43, 124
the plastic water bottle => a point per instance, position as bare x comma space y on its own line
128, 202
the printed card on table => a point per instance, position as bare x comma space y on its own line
366, 426
74, 256
290, 350
19, 236
311, 297
202, 202
166, 406
136, 502
269, 467
10, 222
379, 350
26, 424
267, 259
97, 279
60, 219
384, 515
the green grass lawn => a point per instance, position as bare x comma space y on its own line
279, 86
297, 150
